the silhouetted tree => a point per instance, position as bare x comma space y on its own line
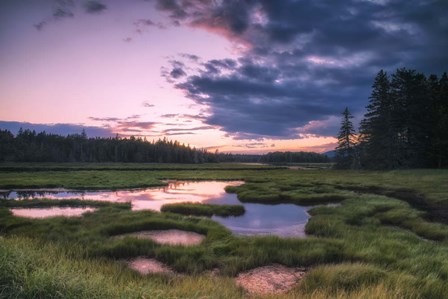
345, 151
27, 146
406, 124
376, 134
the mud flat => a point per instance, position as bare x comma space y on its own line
147, 266
273, 279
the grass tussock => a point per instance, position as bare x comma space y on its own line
372, 245
208, 210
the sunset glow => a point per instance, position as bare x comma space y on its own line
218, 75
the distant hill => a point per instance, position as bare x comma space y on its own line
330, 154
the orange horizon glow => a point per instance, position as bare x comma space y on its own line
69, 73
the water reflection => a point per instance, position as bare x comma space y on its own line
286, 220
50, 212
140, 199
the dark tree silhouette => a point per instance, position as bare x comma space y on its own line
345, 151
29, 146
376, 134
406, 123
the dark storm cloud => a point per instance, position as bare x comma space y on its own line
60, 129
94, 7
304, 61
176, 73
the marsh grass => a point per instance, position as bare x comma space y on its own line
199, 209
42, 203
372, 245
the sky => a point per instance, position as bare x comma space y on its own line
250, 76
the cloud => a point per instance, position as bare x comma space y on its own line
253, 145
170, 115
141, 25
148, 105
179, 133
178, 130
126, 124
322, 148
199, 117
62, 13
302, 62
94, 7
326, 127
105, 119
58, 128
65, 9
177, 72
146, 125
62, 10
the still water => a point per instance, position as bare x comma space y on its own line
285, 220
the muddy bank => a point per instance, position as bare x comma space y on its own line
273, 279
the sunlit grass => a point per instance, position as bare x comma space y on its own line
368, 246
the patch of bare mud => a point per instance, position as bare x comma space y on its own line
273, 279
168, 237
146, 266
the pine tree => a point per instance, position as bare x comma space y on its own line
439, 93
411, 119
376, 134
345, 151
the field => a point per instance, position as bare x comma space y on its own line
386, 238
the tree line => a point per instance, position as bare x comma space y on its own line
405, 125
29, 146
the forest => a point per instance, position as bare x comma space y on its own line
29, 146
405, 125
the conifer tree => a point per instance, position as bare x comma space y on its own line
439, 93
345, 151
411, 119
376, 134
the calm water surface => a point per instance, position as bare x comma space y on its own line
50, 212
285, 220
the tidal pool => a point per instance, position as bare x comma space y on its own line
50, 212
287, 220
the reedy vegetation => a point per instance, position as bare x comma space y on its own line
371, 246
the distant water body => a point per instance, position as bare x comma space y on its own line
286, 220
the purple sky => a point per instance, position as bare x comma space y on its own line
241, 76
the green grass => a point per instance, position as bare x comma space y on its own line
208, 210
376, 244
76, 166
